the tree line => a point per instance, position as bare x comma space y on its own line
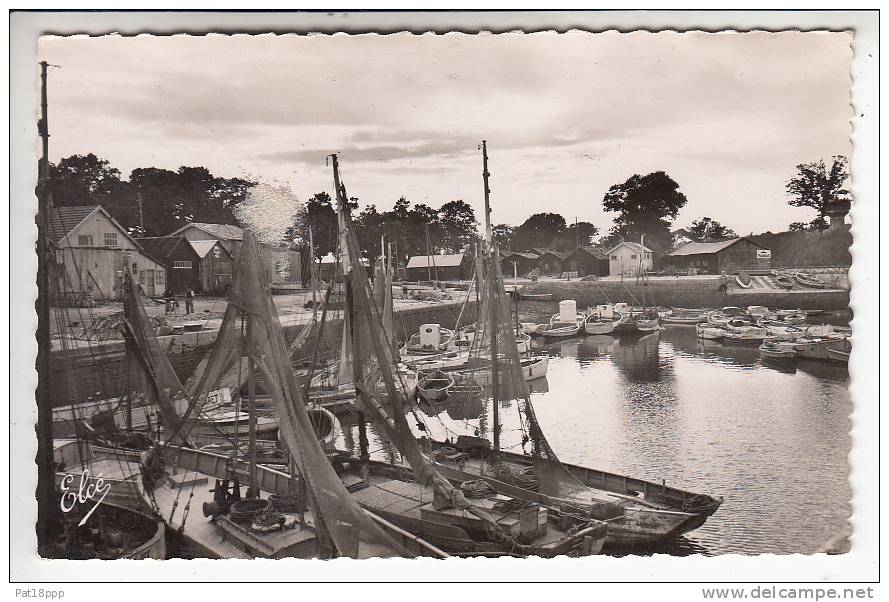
155, 202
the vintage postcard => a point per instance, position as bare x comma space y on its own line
544, 293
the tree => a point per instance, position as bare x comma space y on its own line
708, 229
797, 227
816, 186
89, 180
503, 235
459, 226
539, 230
578, 234
646, 205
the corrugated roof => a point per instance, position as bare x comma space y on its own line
202, 247
439, 261
702, 248
633, 245
221, 231
64, 219
159, 247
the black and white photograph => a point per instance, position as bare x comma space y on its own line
543, 294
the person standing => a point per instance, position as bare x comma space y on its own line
189, 300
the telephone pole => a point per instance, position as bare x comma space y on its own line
489, 231
45, 463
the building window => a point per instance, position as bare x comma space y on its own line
84, 240
614, 257
159, 274
134, 268
182, 264
632, 257
142, 277
110, 239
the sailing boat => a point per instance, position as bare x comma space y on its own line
637, 512
429, 505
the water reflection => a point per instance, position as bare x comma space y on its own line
771, 438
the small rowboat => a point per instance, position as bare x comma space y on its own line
685, 316
325, 425
535, 296
742, 284
435, 385
809, 280
561, 330
783, 280
595, 324
774, 350
535, 367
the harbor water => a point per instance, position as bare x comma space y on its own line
772, 439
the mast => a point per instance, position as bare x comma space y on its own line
492, 291
312, 271
45, 462
252, 491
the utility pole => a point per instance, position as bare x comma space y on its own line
575, 233
141, 220
45, 462
489, 232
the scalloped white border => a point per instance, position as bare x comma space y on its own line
857, 566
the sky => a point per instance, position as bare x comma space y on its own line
566, 116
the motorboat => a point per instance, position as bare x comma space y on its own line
432, 338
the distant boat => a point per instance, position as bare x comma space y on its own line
809, 280
685, 316
777, 350
710, 332
783, 280
435, 385
561, 330
535, 296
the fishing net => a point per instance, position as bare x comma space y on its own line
148, 369
351, 531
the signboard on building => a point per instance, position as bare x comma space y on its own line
763, 254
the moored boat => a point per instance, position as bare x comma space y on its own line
688, 317
535, 296
782, 280
435, 385
838, 355
777, 350
809, 280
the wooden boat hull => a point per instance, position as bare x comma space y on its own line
606, 326
838, 355
635, 526
808, 280
560, 331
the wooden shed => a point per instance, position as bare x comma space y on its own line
92, 252
551, 262
179, 259
216, 265
524, 263
587, 261
729, 256
457, 266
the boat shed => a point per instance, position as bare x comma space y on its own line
730, 256
587, 261
525, 261
456, 266
551, 262
92, 252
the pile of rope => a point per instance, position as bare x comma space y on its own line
521, 477
476, 489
